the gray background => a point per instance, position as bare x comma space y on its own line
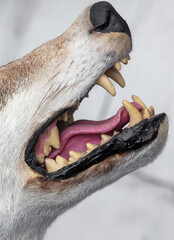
141, 205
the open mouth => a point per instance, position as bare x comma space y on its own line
62, 148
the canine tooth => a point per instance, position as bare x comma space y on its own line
54, 138
104, 82
47, 150
116, 76
51, 165
152, 111
146, 114
40, 159
104, 138
134, 114
74, 156
117, 66
61, 162
138, 100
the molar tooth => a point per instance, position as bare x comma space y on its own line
116, 76
40, 159
90, 147
61, 162
74, 156
54, 138
77, 105
51, 165
65, 116
134, 114
117, 66
146, 114
114, 133
152, 111
104, 82
104, 138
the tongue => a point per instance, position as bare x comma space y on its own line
75, 137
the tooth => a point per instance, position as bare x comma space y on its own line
152, 111
146, 114
54, 139
104, 82
116, 76
77, 105
134, 114
61, 162
50, 165
47, 150
117, 66
114, 133
65, 116
90, 147
74, 156
104, 138
125, 60
138, 100
40, 159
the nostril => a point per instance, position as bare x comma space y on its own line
105, 19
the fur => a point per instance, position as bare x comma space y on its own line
53, 77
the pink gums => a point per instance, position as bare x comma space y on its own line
76, 136
39, 148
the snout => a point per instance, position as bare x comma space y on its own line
105, 19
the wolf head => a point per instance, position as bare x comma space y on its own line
48, 162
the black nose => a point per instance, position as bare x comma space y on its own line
105, 19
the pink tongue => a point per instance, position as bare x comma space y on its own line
75, 137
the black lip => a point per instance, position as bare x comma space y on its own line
130, 139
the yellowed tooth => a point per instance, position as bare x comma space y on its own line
114, 133
54, 138
138, 100
77, 105
104, 138
146, 114
65, 116
116, 76
152, 111
125, 60
90, 147
74, 156
117, 66
51, 165
104, 82
47, 150
40, 159
61, 162
134, 114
